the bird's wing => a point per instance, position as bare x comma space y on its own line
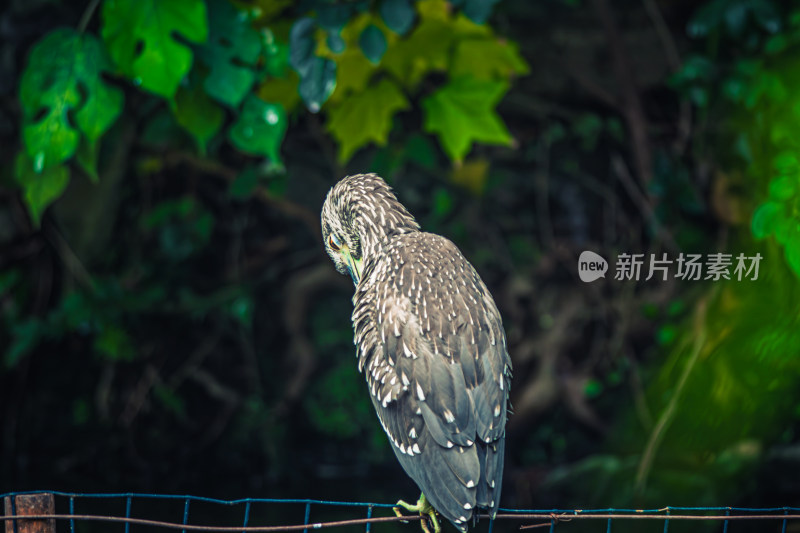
432, 347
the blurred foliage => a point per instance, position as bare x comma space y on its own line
243, 53
170, 320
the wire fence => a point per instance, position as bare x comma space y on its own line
35, 512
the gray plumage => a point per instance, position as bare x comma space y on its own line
430, 343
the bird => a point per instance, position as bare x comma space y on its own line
431, 344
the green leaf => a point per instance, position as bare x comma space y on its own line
462, 112
478, 11
63, 77
317, 74
429, 47
487, 59
197, 114
41, 188
141, 38
232, 51
333, 16
372, 43
282, 91
426, 49
792, 253
766, 15
171, 400
765, 219
114, 343
318, 83
786, 163
353, 69
736, 17
260, 129
365, 117
706, 18
335, 42
26, 336
302, 45
398, 15
783, 188
276, 55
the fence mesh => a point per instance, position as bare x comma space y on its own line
196, 513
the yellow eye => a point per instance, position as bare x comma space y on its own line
333, 242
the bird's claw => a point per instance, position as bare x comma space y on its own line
425, 510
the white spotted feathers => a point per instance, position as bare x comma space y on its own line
431, 346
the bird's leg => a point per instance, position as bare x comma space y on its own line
423, 508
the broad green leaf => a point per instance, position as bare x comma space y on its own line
317, 74
141, 37
232, 51
425, 50
365, 117
318, 83
784, 228
766, 15
792, 253
462, 112
197, 114
428, 48
398, 15
335, 42
353, 69
302, 45
276, 55
707, 17
433, 9
333, 16
786, 163
372, 43
114, 343
260, 129
25, 337
783, 188
765, 219
281, 91
478, 11
62, 78
487, 59
42, 187
736, 17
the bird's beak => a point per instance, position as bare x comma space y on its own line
354, 266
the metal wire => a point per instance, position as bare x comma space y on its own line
545, 517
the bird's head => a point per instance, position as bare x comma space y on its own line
359, 214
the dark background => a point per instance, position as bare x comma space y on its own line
162, 333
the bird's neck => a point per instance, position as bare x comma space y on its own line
374, 240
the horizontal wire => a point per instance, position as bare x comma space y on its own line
191, 527
144, 495
562, 517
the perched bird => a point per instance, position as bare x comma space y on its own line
431, 345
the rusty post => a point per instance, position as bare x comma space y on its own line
29, 505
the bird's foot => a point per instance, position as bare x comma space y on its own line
425, 510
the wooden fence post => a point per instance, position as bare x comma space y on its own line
28, 505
